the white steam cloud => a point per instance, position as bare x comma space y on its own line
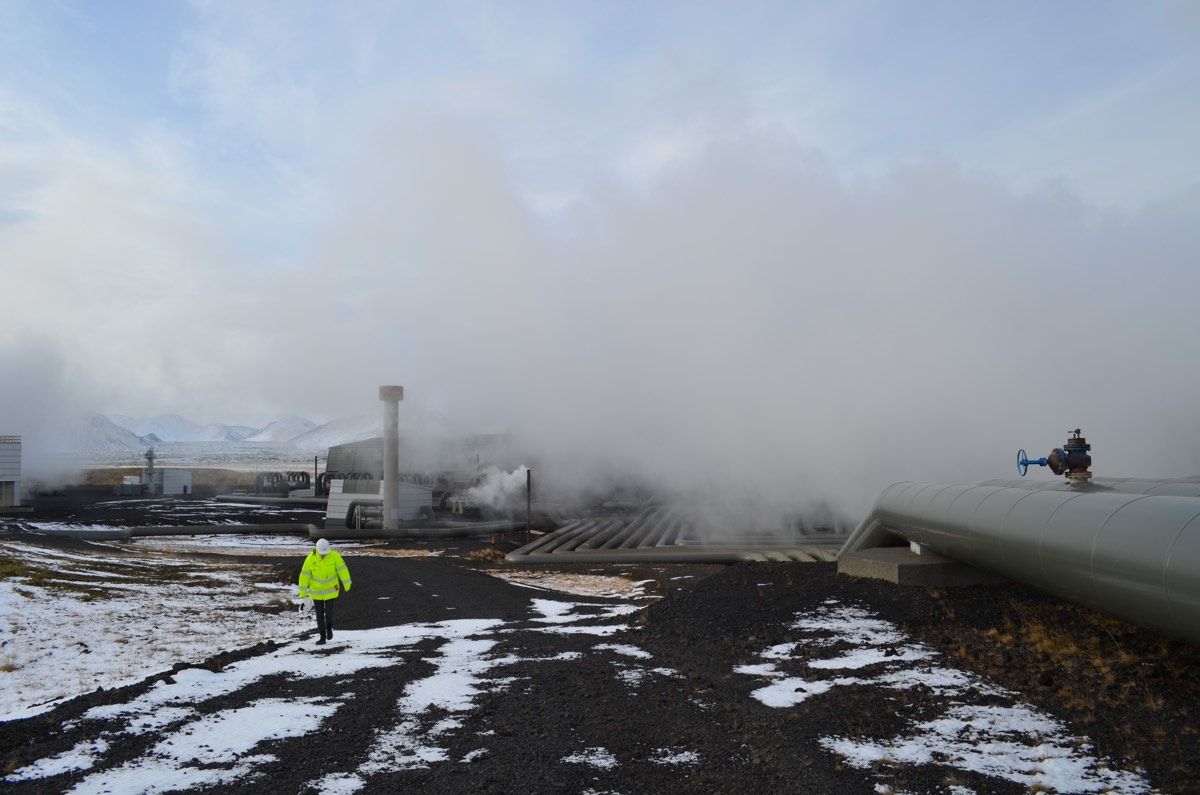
750, 328
698, 306
499, 490
754, 328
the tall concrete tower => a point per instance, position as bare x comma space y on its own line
391, 397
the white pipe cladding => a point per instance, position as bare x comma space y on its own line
1136, 556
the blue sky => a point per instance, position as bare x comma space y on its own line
576, 93
271, 201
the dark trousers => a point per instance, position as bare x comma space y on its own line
324, 610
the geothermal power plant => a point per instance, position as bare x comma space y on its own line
1127, 546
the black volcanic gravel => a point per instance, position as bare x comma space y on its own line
1135, 695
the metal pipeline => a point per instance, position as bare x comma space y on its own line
255, 499
463, 530
1134, 555
127, 533
677, 555
1173, 487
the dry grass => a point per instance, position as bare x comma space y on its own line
11, 567
201, 477
487, 554
1132, 692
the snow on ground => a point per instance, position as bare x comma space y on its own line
76, 621
242, 456
199, 748
295, 546
563, 617
675, 756
554, 612
601, 585
844, 645
596, 756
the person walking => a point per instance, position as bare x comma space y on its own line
323, 575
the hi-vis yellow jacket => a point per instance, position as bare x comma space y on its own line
319, 576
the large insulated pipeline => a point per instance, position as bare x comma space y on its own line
253, 499
1136, 556
1173, 487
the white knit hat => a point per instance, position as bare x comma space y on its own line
322, 547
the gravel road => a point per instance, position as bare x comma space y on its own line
768, 677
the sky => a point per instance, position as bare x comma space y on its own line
799, 248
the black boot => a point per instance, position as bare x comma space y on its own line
321, 642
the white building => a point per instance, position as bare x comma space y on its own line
412, 499
170, 481
10, 471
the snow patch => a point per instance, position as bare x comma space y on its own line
596, 756
554, 612
625, 649
336, 784
1014, 742
675, 756
81, 757
992, 740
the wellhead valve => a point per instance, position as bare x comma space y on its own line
1071, 459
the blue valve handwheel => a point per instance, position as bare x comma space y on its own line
1022, 463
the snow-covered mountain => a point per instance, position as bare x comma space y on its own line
95, 433
284, 430
348, 429
117, 432
174, 428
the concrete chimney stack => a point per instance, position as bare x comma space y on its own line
391, 397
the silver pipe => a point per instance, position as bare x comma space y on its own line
672, 555
1176, 487
1136, 556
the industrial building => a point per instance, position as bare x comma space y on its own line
10, 471
164, 481
343, 494
170, 481
452, 460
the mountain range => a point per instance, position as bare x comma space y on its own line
98, 433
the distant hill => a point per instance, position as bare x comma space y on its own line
95, 433
284, 430
348, 429
123, 432
174, 428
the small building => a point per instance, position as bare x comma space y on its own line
10, 471
170, 481
164, 481
363, 456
